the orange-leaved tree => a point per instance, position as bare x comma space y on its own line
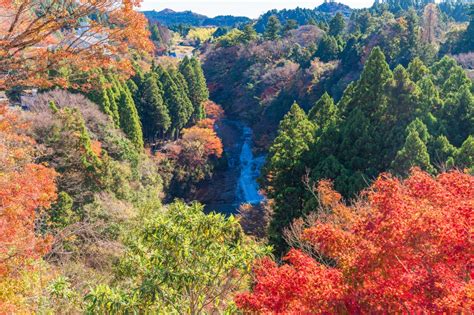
25, 187
403, 246
205, 135
43, 43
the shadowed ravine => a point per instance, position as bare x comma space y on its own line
236, 184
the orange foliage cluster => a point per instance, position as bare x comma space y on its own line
207, 137
213, 110
404, 247
96, 147
38, 36
24, 188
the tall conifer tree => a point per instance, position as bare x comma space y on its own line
153, 113
129, 119
284, 170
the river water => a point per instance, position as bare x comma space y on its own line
247, 187
237, 184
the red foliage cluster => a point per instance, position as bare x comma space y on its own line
213, 111
404, 246
24, 187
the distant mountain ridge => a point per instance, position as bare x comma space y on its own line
169, 17
303, 16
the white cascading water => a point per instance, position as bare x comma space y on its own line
247, 189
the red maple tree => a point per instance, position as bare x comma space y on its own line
405, 246
24, 188
61, 42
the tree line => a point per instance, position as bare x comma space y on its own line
157, 104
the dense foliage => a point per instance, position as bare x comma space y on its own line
105, 143
385, 121
179, 261
25, 186
404, 246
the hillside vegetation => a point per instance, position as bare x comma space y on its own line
112, 124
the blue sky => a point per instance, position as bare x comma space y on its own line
250, 8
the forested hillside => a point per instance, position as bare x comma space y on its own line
310, 161
169, 18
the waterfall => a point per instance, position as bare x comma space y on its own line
247, 189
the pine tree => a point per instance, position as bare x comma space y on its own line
337, 25
290, 25
328, 48
324, 112
153, 112
414, 153
101, 98
284, 170
273, 28
442, 152
129, 119
465, 155
197, 87
177, 106
369, 92
458, 115
430, 101
113, 106
155, 34
403, 100
363, 137
417, 70
249, 33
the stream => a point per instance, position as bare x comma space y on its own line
236, 184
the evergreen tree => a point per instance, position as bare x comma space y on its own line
153, 112
369, 92
183, 91
410, 42
430, 101
324, 112
336, 25
101, 98
273, 28
284, 171
197, 87
403, 97
359, 150
179, 108
465, 155
328, 48
249, 33
290, 25
442, 69
155, 34
113, 99
202, 93
129, 119
417, 70
364, 138
413, 153
442, 152
458, 115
